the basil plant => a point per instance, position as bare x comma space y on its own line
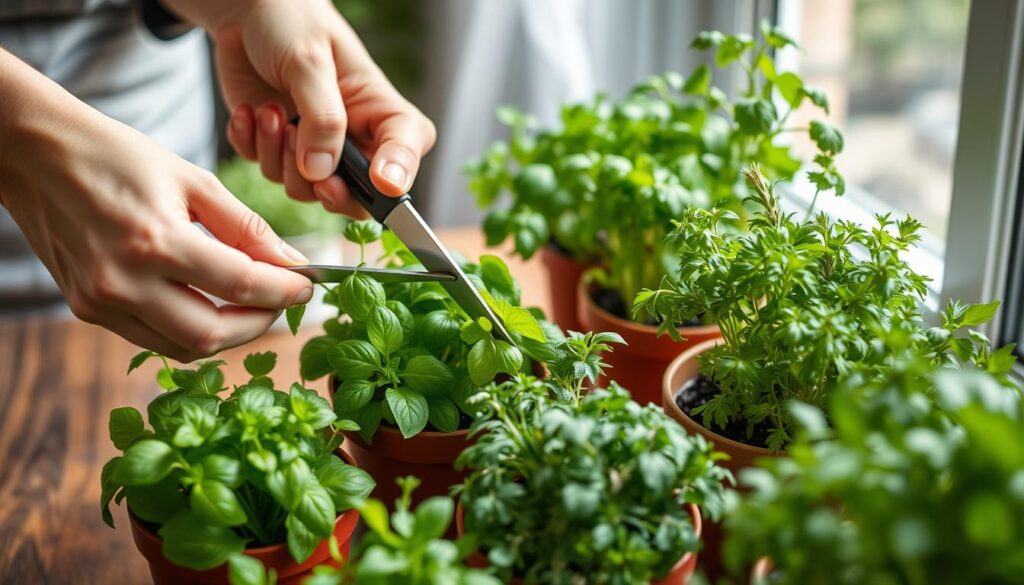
606, 184
214, 475
407, 355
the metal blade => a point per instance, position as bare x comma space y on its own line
421, 241
326, 273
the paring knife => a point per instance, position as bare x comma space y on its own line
398, 214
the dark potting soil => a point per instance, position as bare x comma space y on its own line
611, 301
695, 392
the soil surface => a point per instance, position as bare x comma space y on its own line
611, 301
696, 392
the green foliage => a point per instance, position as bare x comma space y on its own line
406, 354
286, 216
595, 492
921, 480
221, 474
800, 306
608, 182
407, 549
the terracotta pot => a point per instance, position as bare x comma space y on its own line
680, 574
761, 571
640, 365
275, 557
679, 371
564, 273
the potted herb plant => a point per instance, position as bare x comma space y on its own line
257, 472
403, 357
606, 186
408, 549
596, 489
914, 479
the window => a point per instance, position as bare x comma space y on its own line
892, 71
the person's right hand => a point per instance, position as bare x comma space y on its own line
110, 212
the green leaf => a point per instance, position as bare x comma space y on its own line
707, 39
755, 116
108, 486
301, 541
191, 542
489, 357
428, 376
260, 364
309, 407
363, 232
474, 331
791, 87
216, 503
346, 484
156, 503
439, 328
246, 570
353, 395
732, 48
125, 426
140, 359
145, 462
817, 97
223, 469
316, 509
444, 415
368, 418
358, 294
313, 363
699, 82
433, 517
516, 319
384, 330
980, 314
498, 279
826, 137
410, 409
658, 472
354, 359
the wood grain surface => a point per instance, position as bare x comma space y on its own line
59, 379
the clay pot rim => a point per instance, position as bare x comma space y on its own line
668, 395
553, 246
584, 293
693, 509
151, 535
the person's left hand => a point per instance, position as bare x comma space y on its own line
279, 58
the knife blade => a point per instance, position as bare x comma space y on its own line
328, 273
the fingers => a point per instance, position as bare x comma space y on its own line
242, 131
234, 224
194, 323
270, 141
295, 184
402, 140
311, 79
230, 275
145, 336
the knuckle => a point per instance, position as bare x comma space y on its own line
83, 308
206, 181
332, 123
105, 288
244, 288
147, 243
252, 225
208, 342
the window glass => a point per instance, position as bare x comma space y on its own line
892, 71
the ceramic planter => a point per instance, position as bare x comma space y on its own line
640, 365
564, 273
430, 456
680, 574
275, 557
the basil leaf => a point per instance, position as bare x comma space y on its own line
316, 509
293, 316
215, 503
156, 503
439, 328
428, 376
363, 232
145, 462
384, 330
309, 407
368, 418
755, 116
345, 483
489, 357
260, 364
313, 362
410, 409
246, 570
222, 468
826, 137
498, 279
301, 541
140, 359
108, 486
358, 294
354, 358
191, 542
125, 426
443, 414
433, 517
353, 395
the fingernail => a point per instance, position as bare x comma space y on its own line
293, 254
319, 165
268, 121
323, 195
395, 174
303, 296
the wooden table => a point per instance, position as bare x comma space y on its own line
58, 382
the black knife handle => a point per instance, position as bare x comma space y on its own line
354, 169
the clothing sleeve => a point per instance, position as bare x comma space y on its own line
164, 25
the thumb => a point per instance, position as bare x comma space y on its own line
234, 224
312, 82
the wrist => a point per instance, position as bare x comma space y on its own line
210, 14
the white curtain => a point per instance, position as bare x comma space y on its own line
538, 54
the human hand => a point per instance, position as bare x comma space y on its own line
110, 212
280, 58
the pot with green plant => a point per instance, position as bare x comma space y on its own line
401, 358
258, 472
608, 183
799, 304
597, 489
915, 477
